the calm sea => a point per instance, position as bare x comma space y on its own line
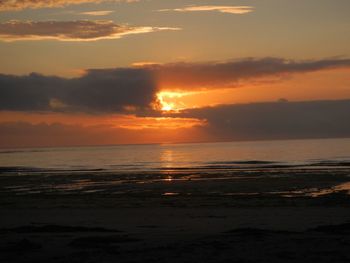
155, 157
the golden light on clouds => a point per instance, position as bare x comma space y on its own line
19, 129
6, 5
238, 10
113, 121
78, 30
97, 13
161, 123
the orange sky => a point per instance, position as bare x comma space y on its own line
155, 71
165, 126
321, 85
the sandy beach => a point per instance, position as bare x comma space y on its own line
268, 215
288, 234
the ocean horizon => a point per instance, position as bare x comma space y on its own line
153, 157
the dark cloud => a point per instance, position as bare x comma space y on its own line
219, 74
112, 90
98, 91
276, 120
81, 30
125, 89
6, 5
29, 93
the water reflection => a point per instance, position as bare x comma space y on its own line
345, 187
167, 158
168, 179
170, 194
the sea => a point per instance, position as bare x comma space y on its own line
288, 168
172, 157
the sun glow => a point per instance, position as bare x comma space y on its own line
163, 99
167, 107
169, 101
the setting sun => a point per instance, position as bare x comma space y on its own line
172, 100
164, 99
167, 107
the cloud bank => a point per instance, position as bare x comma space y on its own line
118, 90
228, 74
258, 121
135, 89
210, 8
276, 120
80, 30
6, 5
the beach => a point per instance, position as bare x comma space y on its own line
176, 235
269, 213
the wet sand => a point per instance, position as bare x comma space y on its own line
274, 234
278, 215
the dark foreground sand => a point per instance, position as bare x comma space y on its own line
243, 223
288, 234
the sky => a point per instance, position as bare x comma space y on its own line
85, 72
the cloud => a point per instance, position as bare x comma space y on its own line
114, 90
187, 76
275, 120
97, 13
207, 8
6, 5
134, 90
81, 30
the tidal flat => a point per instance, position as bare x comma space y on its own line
263, 214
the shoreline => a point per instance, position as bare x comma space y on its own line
246, 216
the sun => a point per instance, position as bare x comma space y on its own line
166, 105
